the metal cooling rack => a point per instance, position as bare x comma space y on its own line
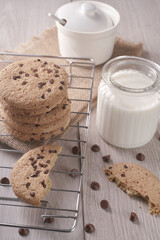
67, 217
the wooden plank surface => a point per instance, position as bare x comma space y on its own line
20, 20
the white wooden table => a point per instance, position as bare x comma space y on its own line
140, 19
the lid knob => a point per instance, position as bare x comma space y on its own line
88, 9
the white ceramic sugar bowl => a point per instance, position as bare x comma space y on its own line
89, 31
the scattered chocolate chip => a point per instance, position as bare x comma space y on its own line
123, 175
48, 220
32, 194
24, 82
110, 167
62, 129
21, 65
56, 75
95, 148
38, 60
27, 185
21, 72
56, 66
4, 180
62, 82
43, 96
37, 125
34, 70
36, 75
140, 157
47, 171
60, 87
48, 90
125, 166
52, 151
45, 63
26, 75
31, 158
23, 232
95, 186
73, 173
104, 204
51, 81
89, 228
34, 162
133, 216
75, 150
106, 158
40, 156
48, 161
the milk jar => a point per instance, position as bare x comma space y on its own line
128, 107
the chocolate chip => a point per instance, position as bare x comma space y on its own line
34, 162
49, 70
56, 66
26, 75
27, 185
140, 157
40, 156
64, 106
52, 151
125, 166
56, 71
56, 75
21, 65
89, 228
37, 125
95, 148
106, 158
16, 77
147, 198
75, 150
32, 194
51, 81
48, 161
38, 60
73, 173
33, 134
48, 220
43, 183
47, 171
133, 216
24, 83
95, 186
62, 82
35, 167
42, 150
47, 106
43, 165
34, 70
48, 90
60, 87
31, 158
23, 232
45, 63
104, 204
4, 180
62, 129
43, 96
36, 75
110, 167
21, 72
35, 174
123, 175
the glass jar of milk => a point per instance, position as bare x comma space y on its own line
128, 107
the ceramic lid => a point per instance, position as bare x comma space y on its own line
85, 16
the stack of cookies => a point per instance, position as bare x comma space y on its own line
34, 99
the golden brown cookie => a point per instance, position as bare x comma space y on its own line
137, 181
30, 175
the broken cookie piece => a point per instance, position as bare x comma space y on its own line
137, 181
30, 175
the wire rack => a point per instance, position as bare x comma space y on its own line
69, 190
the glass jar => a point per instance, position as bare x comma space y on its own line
128, 105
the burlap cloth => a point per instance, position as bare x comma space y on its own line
47, 44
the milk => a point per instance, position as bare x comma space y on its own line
127, 119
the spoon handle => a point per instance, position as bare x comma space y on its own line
61, 21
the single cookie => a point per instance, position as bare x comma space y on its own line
36, 136
38, 128
137, 181
30, 175
33, 84
49, 117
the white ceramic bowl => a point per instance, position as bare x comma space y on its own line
97, 44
